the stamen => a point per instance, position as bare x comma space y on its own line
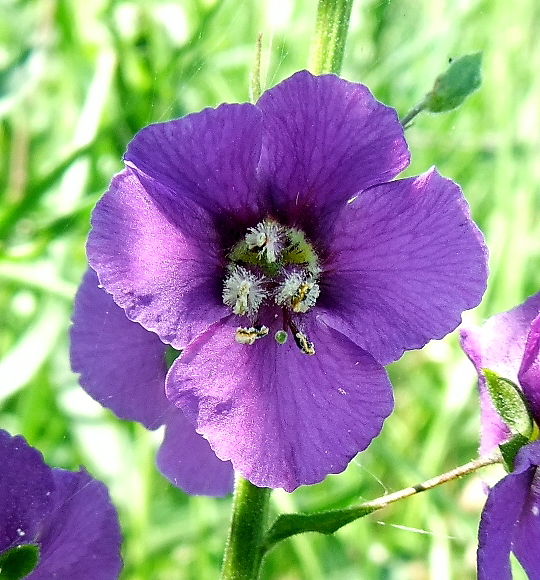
303, 343
243, 291
250, 335
305, 297
266, 236
301, 339
272, 263
298, 292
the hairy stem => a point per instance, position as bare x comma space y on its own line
433, 482
243, 553
417, 109
328, 43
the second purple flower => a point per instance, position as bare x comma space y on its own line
269, 244
509, 345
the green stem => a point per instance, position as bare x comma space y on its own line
243, 553
328, 43
460, 471
417, 109
255, 89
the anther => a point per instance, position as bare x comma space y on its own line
303, 343
250, 335
305, 297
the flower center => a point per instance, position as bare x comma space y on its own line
272, 264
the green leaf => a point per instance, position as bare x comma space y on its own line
510, 404
35, 191
326, 522
452, 87
18, 562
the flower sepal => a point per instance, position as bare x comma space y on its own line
509, 449
508, 401
18, 562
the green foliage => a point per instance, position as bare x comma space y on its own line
511, 406
18, 562
509, 449
509, 403
327, 522
329, 37
78, 79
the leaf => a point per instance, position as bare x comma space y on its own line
18, 562
326, 522
35, 191
19, 365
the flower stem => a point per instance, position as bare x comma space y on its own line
328, 43
255, 90
328, 522
243, 553
434, 481
417, 109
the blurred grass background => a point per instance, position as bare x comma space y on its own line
78, 79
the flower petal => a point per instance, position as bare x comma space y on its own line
121, 364
81, 537
26, 486
187, 460
493, 430
167, 280
282, 417
527, 532
325, 139
210, 157
502, 338
529, 372
497, 525
404, 263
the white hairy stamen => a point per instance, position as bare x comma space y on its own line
267, 237
243, 291
298, 292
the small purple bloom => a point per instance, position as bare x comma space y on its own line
508, 344
68, 516
269, 244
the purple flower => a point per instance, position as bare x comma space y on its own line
269, 244
68, 516
508, 344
